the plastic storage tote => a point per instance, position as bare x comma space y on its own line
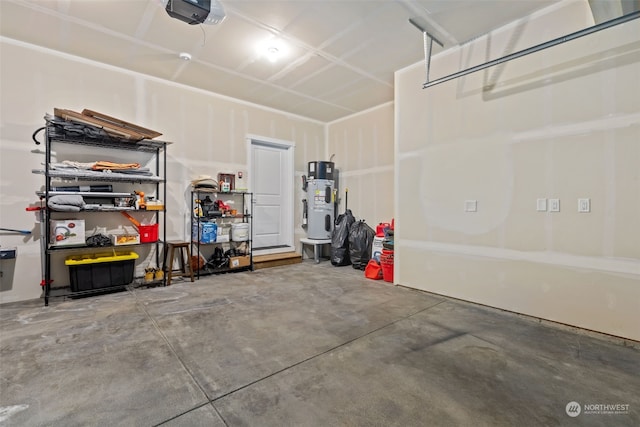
100, 270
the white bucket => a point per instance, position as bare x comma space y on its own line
240, 232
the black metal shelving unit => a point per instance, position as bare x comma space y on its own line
244, 215
56, 134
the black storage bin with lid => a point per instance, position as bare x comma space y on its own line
97, 271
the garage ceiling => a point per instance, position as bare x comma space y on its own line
339, 56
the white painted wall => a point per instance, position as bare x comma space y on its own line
363, 147
208, 134
562, 123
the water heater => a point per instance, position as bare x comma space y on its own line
319, 204
320, 170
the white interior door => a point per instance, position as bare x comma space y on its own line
272, 184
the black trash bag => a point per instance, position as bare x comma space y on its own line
98, 240
340, 239
360, 242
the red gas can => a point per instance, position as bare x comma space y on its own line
381, 228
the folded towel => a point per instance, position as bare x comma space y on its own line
103, 164
77, 165
66, 203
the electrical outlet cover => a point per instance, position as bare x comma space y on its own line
584, 205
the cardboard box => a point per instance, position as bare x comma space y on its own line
239, 261
67, 232
224, 231
121, 239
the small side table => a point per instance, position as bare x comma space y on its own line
317, 247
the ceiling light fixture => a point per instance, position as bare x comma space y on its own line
185, 56
272, 49
273, 53
194, 12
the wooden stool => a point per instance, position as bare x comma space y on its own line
185, 265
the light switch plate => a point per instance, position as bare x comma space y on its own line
541, 205
470, 205
554, 205
584, 205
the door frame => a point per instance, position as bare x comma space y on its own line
288, 148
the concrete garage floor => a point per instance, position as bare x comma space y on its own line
302, 345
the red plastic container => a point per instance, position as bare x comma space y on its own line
148, 233
386, 262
